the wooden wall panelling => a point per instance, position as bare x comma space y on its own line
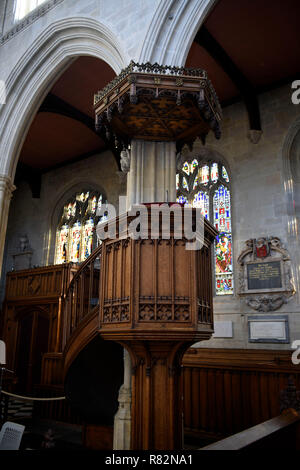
226, 391
38, 290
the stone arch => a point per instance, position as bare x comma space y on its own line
291, 181
291, 152
172, 30
291, 169
41, 65
30, 81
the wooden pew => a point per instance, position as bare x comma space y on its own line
281, 432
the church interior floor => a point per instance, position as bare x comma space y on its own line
64, 436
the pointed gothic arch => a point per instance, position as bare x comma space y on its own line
291, 182
172, 31
43, 63
32, 78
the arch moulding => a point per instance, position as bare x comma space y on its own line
32, 78
287, 155
291, 180
42, 64
172, 30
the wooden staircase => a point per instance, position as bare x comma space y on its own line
81, 308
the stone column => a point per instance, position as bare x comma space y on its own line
6, 190
122, 421
151, 177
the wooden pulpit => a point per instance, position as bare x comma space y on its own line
156, 301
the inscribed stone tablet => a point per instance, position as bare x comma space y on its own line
264, 275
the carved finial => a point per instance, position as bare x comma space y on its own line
125, 160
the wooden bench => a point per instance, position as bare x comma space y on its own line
282, 432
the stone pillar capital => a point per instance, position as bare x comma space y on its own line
6, 185
6, 189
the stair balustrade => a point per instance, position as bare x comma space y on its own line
82, 297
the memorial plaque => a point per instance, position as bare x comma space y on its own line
268, 329
264, 275
223, 329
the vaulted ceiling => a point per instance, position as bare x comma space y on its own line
63, 130
246, 46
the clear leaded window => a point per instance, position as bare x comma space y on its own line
76, 234
23, 7
206, 185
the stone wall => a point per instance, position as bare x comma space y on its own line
118, 16
260, 205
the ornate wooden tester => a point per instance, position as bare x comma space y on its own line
156, 296
157, 103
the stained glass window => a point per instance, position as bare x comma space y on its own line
62, 244
87, 241
71, 210
82, 197
201, 200
182, 200
186, 168
204, 174
76, 238
223, 246
214, 172
75, 242
209, 189
222, 210
184, 183
189, 168
225, 174
194, 165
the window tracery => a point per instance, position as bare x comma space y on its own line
75, 236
